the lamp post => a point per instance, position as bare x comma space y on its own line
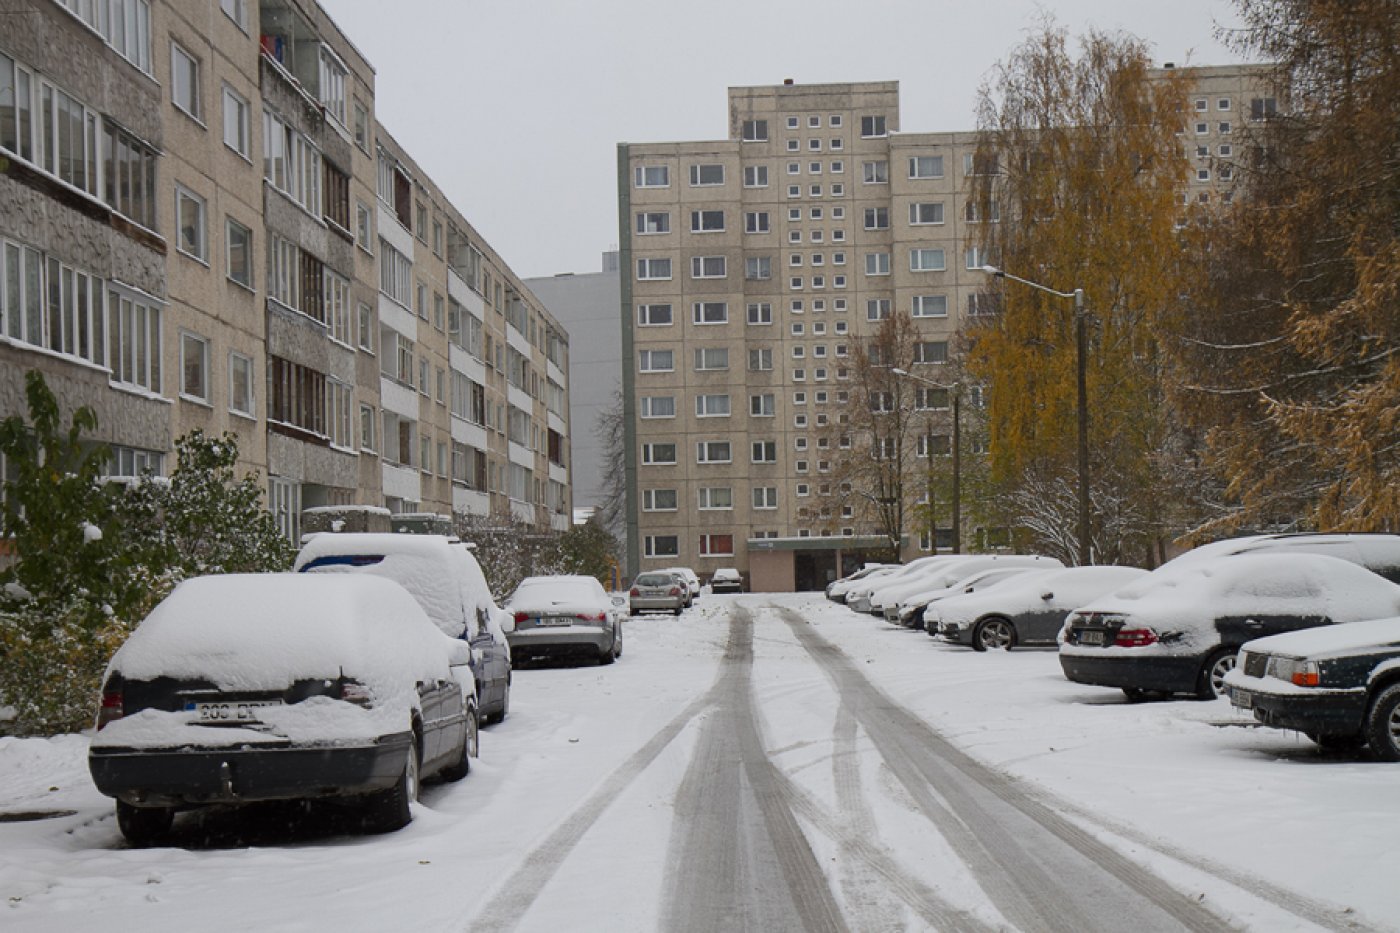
956, 390
1081, 352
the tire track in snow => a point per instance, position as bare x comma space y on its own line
1041, 871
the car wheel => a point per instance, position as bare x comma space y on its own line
1212, 679
505, 703
389, 810
677, 610
617, 645
471, 748
606, 656
1138, 695
993, 633
144, 826
1383, 724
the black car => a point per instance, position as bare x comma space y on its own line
1340, 686
243, 688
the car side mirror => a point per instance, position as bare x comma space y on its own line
1047, 595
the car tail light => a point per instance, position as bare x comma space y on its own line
352, 691
1135, 638
522, 617
676, 591
112, 703
592, 616
637, 592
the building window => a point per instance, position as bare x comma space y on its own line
364, 227
712, 406
236, 123
707, 221
184, 81
977, 257
875, 173
189, 221
651, 222
658, 454
754, 131
764, 452
926, 260
1262, 108
758, 268
762, 406
710, 312
133, 326
361, 128
925, 166
760, 312
291, 163
877, 309
240, 390
367, 327
239, 252
877, 218
930, 306
765, 497
756, 222
934, 351
652, 176
716, 498
194, 368
716, 545
658, 406
755, 176
871, 126
712, 452
706, 175
128, 165
340, 415
930, 213
657, 361
708, 267
711, 359
332, 90
653, 269
662, 546
654, 315
879, 263
659, 500
760, 359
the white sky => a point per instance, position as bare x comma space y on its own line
515, 108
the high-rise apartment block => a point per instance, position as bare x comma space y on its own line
203, 225
752, 265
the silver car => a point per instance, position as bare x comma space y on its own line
659, 590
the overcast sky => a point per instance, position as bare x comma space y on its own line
515, 107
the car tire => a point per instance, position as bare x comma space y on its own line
1211, 682
607, 656
389, 810
504, 711
677, 610
1383, 724
471, 748
1138, 695
995, 632
144, 826
617, 645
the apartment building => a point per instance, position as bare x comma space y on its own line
193, 235
751, 266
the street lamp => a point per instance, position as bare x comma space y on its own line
1081, 402
956, 389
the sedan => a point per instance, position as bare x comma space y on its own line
254, 687
1339, 686
1029, 609
564, 616
1178, 629
658, 590
726, 580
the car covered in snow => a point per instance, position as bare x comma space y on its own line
441, 573
1379, 553
836, 590
564, 616
253, 687
691, 578
1178, 629
1340, 686
1028, 609
912, 612
655, 590
726, 580
860, 596
922, 588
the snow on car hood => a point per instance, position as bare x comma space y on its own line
1023, 592
1330, 640
259, 632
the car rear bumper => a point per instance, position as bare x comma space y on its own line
192, 776
1157, 672
1333, 713
560, 640
730, 586
668, 603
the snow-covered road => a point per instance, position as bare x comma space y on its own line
767, 763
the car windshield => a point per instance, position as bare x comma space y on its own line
656, 579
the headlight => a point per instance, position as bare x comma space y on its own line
1294, 671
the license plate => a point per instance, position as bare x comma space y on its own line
230, 711
1092, 638
554, 620
1241, 699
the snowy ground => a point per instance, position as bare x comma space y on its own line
566, 820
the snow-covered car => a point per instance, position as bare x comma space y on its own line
1340, 686
912, 612
1379, 553
836, 590
726, 580
1178, 629
254, 687
859, 596
658, 590
1029, 609
444, 577
929, 585
691, 578
562, 616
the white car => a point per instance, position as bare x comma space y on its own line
1029, 609
692, 580
726, 580
887, 599
565, 615
837, 589
914, 611
859, 597
250, 687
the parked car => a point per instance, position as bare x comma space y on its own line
912, 612
931, 583
836, 589
692, 581
1028, 609
1178, 629
1379, 553
254, 687
726, 580
565, 616
859, 596
658, 589
441, 573
1339, 686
